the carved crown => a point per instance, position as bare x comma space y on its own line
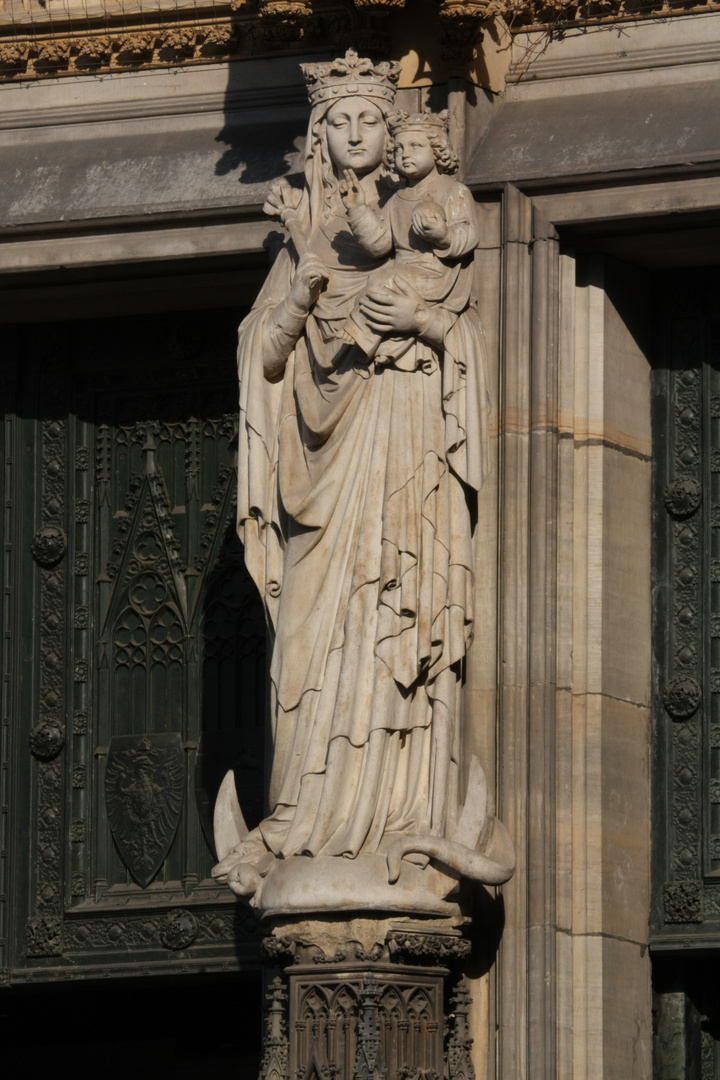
349, 76
428, 122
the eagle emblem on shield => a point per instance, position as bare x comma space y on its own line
144, 785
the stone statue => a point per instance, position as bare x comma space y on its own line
363, 432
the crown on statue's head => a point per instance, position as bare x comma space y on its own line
427, 122
351, 76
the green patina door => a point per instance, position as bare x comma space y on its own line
134, 648
685, 916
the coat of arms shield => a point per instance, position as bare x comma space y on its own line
144, 785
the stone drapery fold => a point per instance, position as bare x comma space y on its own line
354, 482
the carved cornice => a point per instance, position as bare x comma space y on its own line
559, 16
60, 45
85, 52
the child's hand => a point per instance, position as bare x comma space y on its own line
429, 223
351, 190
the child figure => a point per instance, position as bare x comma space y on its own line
429, 225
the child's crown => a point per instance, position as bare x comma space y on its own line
427, 122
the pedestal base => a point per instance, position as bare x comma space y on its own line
364, 1000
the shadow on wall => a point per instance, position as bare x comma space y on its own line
266, 114
266, 107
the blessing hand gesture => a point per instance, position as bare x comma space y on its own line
351, 191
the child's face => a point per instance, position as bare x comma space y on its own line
414, 156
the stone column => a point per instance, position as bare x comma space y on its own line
573, 971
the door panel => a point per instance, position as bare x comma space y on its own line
686, 433
136, 645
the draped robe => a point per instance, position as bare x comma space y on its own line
355, 479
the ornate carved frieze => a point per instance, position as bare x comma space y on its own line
86, 53
559, 16
82, 598
389, 942
437, 947
174, 930
683, 688
67, 46
44, 928
59, 47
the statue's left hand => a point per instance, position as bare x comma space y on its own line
395, 310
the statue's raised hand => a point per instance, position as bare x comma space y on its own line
351, 191
310, 277
283, 201
429, 222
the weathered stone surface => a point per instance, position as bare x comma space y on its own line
584, 106
147, 167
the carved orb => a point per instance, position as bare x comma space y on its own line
49, 546
46, 740
682, 697
180, 930
682, 497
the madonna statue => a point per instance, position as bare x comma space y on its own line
356, 482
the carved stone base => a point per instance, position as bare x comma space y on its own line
365, 1000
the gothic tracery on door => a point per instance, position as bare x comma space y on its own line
143, 642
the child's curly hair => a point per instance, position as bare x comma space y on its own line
435, 127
